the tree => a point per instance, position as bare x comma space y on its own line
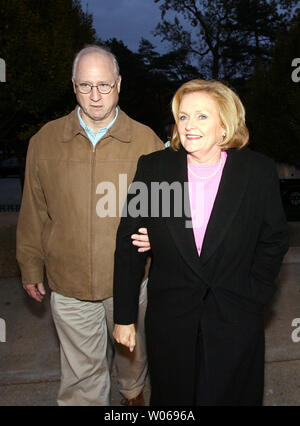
145, 92
165, 73
173, 65
38, 41
273, 101
226, 37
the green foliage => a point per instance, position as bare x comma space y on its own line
38, 42
173, 65
164, 73
39, 39
273, 101
225, 36
145, 91
250, 45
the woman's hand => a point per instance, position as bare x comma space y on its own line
141, 240
125, 335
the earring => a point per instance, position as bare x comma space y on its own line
224, 134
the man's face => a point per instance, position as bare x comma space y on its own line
98, 110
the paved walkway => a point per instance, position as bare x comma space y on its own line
29, 368
29, 359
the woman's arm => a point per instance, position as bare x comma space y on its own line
129, 263
272, 244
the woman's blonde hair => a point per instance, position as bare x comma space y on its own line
231, 112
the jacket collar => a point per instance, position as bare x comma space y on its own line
174, 169
72, 127
121, 130
231, 190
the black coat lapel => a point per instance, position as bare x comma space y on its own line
231, 190
174, 169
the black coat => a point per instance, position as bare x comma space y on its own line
204, 321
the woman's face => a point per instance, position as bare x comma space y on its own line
199, 127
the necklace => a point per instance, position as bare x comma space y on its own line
210, 176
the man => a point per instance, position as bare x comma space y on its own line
62, 228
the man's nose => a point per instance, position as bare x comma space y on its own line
95, 94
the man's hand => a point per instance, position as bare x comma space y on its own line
36, 291
125, 335
141, 240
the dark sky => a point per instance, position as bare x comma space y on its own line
126, 20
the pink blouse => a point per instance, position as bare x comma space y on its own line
204, 183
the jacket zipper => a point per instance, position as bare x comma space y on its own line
91, 218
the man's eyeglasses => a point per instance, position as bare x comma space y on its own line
103, 88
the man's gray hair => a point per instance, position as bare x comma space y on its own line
94, 48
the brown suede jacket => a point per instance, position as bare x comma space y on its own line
60, 227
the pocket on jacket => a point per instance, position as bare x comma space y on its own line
261, 292
240, 306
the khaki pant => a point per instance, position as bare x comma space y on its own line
88, 350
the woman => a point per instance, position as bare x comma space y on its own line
214, 265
